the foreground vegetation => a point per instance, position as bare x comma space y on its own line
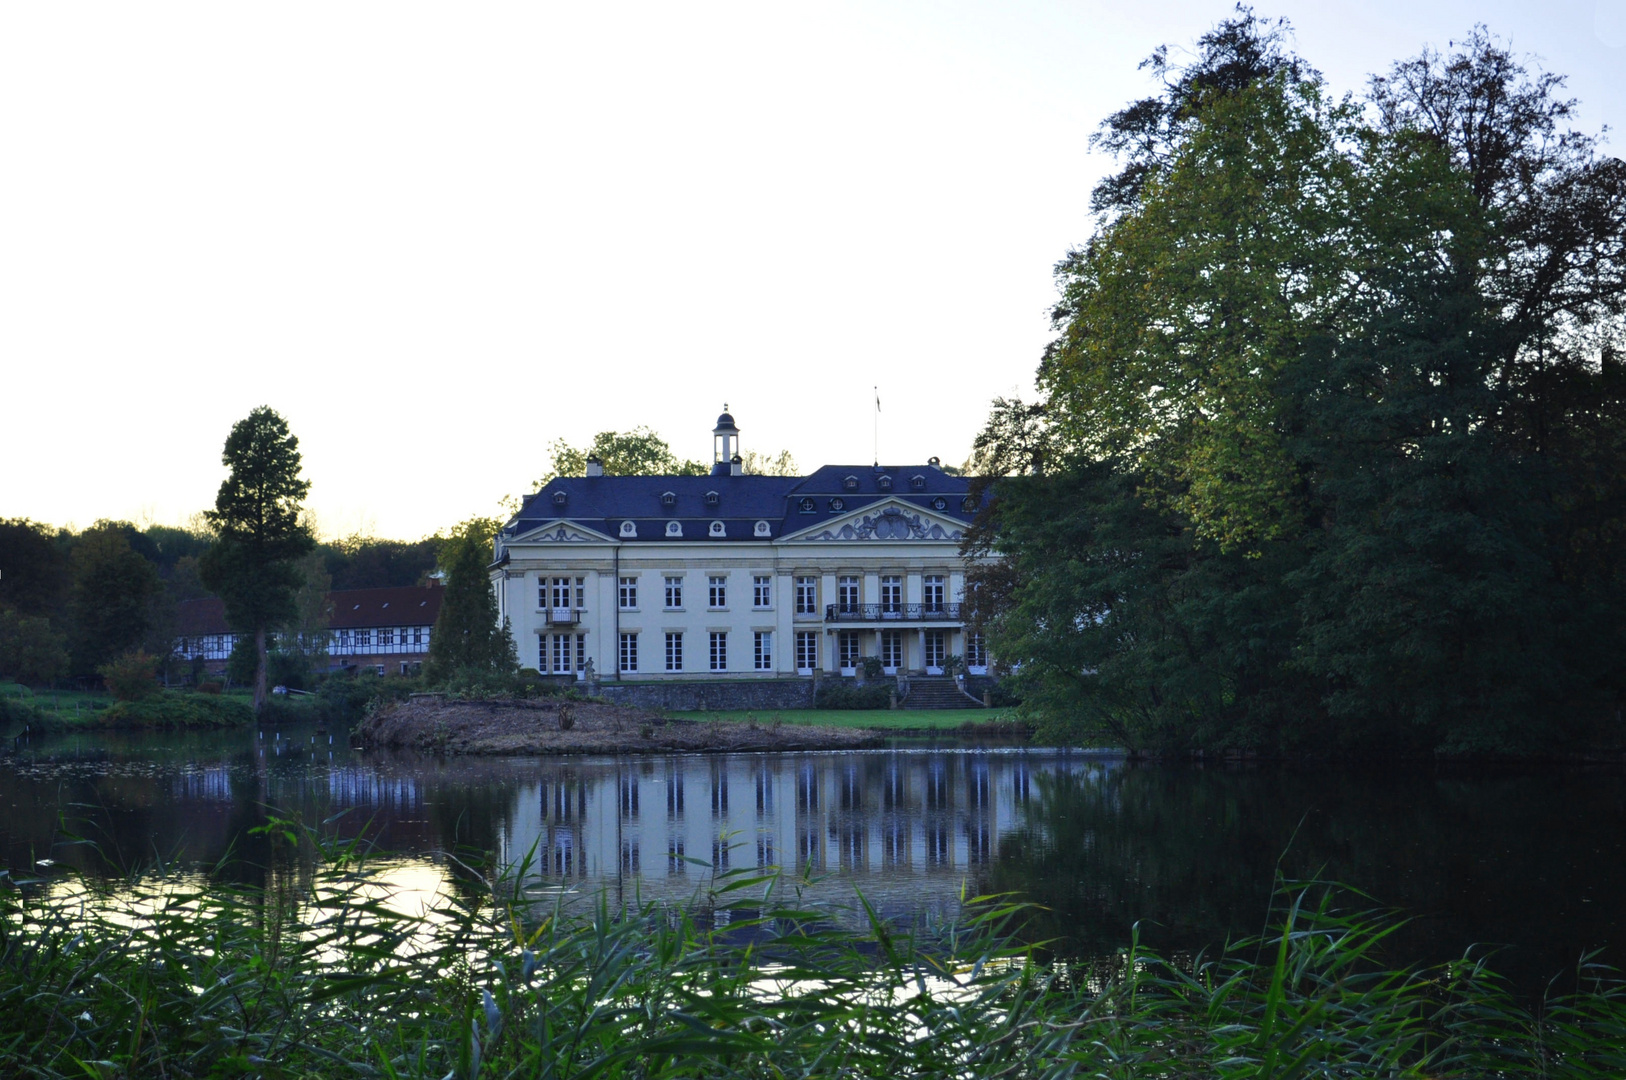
329, 966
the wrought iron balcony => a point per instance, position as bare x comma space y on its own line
561, 616
882, 613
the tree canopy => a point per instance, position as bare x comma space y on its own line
642, 452
1328, 449
259, 531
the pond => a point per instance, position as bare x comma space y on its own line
1531, 861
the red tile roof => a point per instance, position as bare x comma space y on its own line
408, 605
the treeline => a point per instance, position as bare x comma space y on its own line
1329, 451
73, 601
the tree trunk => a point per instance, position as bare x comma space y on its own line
259, 672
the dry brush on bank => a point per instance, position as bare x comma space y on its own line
563, 726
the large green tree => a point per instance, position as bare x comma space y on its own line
1328, 444
260, 532
468, 639
113, 605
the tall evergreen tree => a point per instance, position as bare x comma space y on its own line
260, 533
468, 637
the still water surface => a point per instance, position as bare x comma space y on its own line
1534, 861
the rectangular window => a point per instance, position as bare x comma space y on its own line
807, 651
364, 639
763, 640
847, 646
762, 591
891, 650
847, 593
559, 594
717, 595
807, 596
542, 653
387, 637
719, 650
629, 652
674, 652
581, 593
891, 594
629, 593
931, 596
674, 593
935, 649
581, 652
417, 635
976, 651
561, 654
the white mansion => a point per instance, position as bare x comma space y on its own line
685, 577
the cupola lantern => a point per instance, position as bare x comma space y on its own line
725, 444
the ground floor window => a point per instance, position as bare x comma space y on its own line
976, 651
567, 654
674, 652
935, 649
719, 650
891, 650
807, 651
629, 652
847, 648
763, 644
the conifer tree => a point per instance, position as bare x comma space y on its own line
260, 532
468, 637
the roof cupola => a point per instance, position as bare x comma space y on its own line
725, 444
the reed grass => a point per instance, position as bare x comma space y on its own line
333, 966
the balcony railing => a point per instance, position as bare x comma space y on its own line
561, 616
892, 613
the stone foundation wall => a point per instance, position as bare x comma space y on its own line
765, 694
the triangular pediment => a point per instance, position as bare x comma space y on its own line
558, 532
889, 520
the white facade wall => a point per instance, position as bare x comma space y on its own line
562, 549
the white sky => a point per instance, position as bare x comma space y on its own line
437, 237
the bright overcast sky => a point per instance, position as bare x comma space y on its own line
438, 237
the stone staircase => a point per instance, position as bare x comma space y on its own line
935, 692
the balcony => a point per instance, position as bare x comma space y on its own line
561, 616
891, 613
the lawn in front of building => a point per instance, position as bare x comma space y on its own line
916, 719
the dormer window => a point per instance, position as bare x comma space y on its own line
850, 484
559, 498
968, 504
884, 482
674, 528
837, 504
629, 529
807, 506
940, 503
918, 483
761, 529
711, 498
668, 499
717, 529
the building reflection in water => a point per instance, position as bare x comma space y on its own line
909, 829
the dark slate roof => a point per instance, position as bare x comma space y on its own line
409, 605
602, 503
